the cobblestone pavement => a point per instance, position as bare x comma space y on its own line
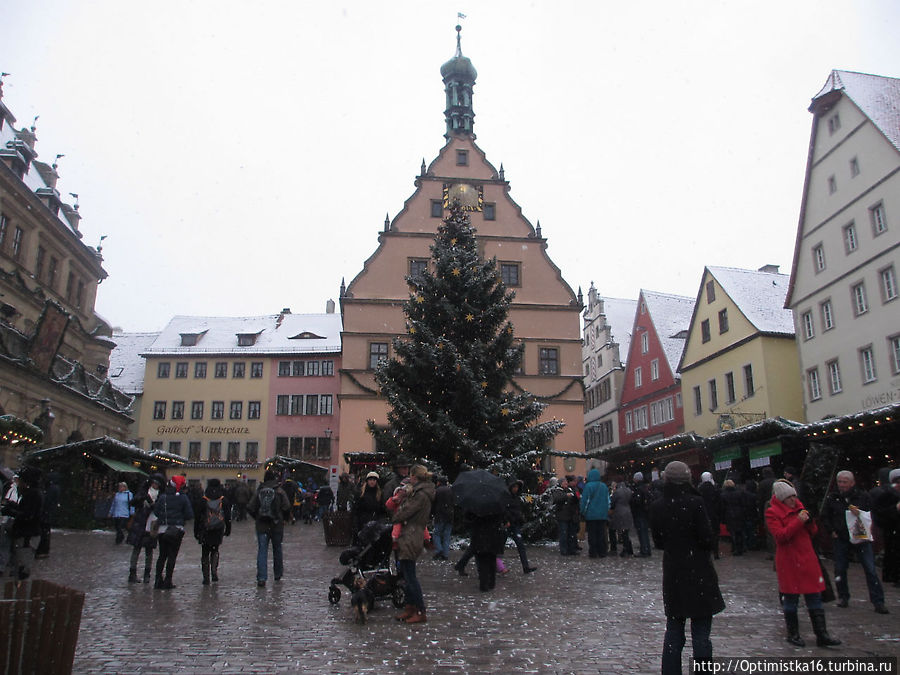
574, 615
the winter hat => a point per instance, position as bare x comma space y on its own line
178, 482
706, 477
894, 476
638, 477
372, 474
782, 489
677, 472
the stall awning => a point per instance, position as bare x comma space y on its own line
120, 467
759, 455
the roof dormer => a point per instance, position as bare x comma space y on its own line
247, 339
191, 339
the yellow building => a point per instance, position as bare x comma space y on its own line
740, 363
545, 312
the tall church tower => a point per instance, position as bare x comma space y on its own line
545, 313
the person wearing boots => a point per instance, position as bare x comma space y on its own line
173, 510
139, 535
413, 513
211, 524
796, 563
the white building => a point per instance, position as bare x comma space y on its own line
607, 336
843, 290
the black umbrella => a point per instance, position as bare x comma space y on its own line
481, 493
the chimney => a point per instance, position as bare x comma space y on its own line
769, 269
329, 307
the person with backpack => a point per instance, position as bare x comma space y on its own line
172, 510
641, 498
269, 507
212, 523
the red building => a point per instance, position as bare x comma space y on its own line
651, 405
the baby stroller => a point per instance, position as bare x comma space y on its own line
372, 561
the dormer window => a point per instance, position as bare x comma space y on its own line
191, 339
306, 335
247, 339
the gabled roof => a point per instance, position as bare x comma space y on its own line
877, 97
671, 317
126, 367
760, 297
619, 315
277, 334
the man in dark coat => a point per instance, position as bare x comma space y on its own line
681, 528
850, 498
565, 500
887, 512
26, 522
733, 507
269, 507
763, 497
712, 500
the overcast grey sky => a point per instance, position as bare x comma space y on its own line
241, 156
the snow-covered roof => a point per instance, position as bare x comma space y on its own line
878, 98
275, 334
671, 316
126, 367
619, 315
760, 297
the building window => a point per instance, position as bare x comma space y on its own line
723, 321
247, 339
879, 219
181, 369
296, 448
298, 368
710, 292
638, 377
281, 445
854, 167
312, 368
177, 410
417, 267
437, 208
156, 445
729, 387
749, 389
834, 123
251, 451
18, 236
698, 402
818, 258
629, 423
894, 347
194, 451
196, 410
284, 369
661, 412
462, 158
4, 224
378, 352
175, 447
221, 369
654, 369
256, 369
296, 404
851, 243
238, 369
713, 395
509, 273
490, 212
640, 418
645, 342
327, 368
234, 451
200, 370
548, 361
888, 284
834, 377
39, 263
326, 404
867, 361
52, 272
827, 315
813, 387
809, 327
254, 409
312, 404
215, 451
282, 404
159, 410
705, 334
236, 410
860, 302
162, 370
832, 185
218, 410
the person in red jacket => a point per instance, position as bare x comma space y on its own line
796, 563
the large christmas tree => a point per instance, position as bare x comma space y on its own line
449, 385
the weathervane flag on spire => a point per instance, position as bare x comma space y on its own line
460, 15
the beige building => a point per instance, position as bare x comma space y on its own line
740, 362
844, 285
545, 312
54, 349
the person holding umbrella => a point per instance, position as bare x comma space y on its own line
413, 513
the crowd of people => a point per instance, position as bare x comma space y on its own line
683, 521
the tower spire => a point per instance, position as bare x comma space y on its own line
459, 77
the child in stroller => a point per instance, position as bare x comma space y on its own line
371, 560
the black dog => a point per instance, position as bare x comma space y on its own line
361, 599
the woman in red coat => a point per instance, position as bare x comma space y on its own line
796, 563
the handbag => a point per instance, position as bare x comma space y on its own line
154, 528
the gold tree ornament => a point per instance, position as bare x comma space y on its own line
453, 241
470, 317
505, 412
420, 299
456, 271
